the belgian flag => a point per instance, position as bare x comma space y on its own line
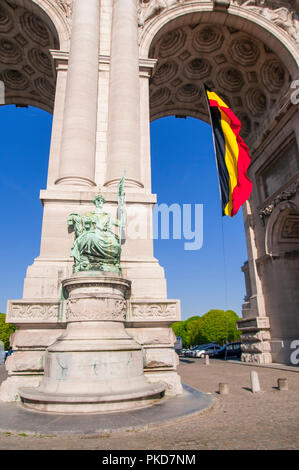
232, 155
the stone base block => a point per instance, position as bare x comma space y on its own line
25, 361
263, 358
33, 338
170, 379
91, 403
160, 357
9, 389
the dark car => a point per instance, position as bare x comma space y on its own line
206, 350
8, 353
228, 350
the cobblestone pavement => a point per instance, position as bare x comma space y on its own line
240, 420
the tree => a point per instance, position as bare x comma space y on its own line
219, 326
216, 325
193, 331
6, 329
188, 330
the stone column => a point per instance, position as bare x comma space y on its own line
124, 97
77, 156
61, 68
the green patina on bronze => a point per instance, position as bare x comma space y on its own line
96, 247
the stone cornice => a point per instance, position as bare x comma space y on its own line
54, 195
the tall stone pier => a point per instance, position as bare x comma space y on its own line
99, 131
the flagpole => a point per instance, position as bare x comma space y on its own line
214, 143
222, 214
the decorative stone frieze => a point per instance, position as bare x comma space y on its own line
33, 311
93, 309
150, 8
66, 6
161, 311
283, 14
285, 195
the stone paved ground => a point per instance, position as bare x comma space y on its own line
240, 420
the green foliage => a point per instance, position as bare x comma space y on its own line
193, 331
179, 328
6, 329
219, 326
215, 325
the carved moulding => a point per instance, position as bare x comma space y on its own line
282, 14
66, 6
167, 311
96, 309
51, 311
285, 15
147, 9
33, 311
286, 195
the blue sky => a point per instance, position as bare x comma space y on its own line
183, 171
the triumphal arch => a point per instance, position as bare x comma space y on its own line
105, 69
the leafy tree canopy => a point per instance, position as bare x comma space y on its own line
216, 325
6, 329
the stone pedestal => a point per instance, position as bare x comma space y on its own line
95, 366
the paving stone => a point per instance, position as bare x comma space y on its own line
240, 420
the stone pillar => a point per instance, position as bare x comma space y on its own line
124, 97
77, 156
61, 60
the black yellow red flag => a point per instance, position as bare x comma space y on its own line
232, 155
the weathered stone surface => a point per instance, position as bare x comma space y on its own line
33, 311
154, 310
170, 379
255, 337
95, 366
256, 347
9, 389
152, 336
34, 339
25, 361
263, 358
160, 358
247, 53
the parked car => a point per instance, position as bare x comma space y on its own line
2, 357
189, 352
8, 353
178, 345
208, 350
228, 350
198, 348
